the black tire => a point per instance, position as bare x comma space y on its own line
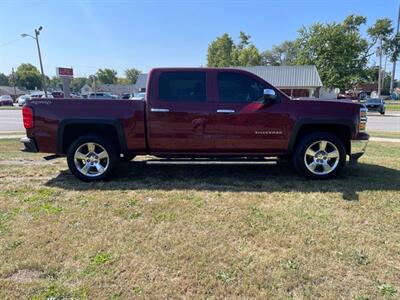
382, 112
299, 158
112, 159
127, 157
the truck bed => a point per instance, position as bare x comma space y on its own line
52, 116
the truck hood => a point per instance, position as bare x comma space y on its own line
330, 101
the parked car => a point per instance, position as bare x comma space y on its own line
75, 96
49, 96
125, 96
376, 104
6, 100
100, 96
32, 96
22, 99
199, 113
139, 96
57, 94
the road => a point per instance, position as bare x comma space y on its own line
11, 121
388, 122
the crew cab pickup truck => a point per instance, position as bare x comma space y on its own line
198, 113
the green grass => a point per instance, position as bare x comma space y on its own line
393, 107
385, 134
10, 108
199, 231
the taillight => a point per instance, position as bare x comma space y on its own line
27, 116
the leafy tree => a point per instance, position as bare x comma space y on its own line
107, 76
249, 56
223, 52
132, 75
282, 54
3, 79
77, 83
382, 29
219, 52
28, 76
123, 81
55, 83
336, 49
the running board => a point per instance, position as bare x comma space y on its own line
50, 157
252, 161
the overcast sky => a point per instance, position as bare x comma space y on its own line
118, 34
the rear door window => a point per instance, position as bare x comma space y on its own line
182, 86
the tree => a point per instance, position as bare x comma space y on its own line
336, 49
219, 53
282, 54
223, 52
132, 75
77, 83
3, 79
28, 76
107, 76
55, 83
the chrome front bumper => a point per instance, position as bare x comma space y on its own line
357, 148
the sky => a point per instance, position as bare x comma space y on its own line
120, 34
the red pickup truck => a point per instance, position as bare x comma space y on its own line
198, 113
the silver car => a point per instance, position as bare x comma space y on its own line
22, 99
139, 96
100, 96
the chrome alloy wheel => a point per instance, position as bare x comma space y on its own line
321, 157
91, 159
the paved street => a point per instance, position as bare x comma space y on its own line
11, 121
388, 122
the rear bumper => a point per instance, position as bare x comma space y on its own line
29, 145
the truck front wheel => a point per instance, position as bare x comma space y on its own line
92, 158
320, 155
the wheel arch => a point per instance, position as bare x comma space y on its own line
342, 128
71, 129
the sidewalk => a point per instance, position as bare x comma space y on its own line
381, 139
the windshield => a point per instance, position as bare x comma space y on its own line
372, 100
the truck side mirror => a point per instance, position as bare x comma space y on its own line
269, 95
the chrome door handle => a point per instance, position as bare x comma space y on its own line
225, 111
159, 110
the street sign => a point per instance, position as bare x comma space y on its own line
65, 72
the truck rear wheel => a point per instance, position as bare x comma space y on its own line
92, 158
320, 155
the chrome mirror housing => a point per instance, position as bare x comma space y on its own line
269, 94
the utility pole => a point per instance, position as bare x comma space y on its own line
380, 69
384, 73
36, 38
394, 62
37, 32
13, 78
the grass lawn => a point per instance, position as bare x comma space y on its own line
10, 108
393, 107
385, 134
199, 231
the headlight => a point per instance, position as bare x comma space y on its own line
362, 126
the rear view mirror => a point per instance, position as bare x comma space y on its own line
269, 95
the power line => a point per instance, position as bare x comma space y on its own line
10, 42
